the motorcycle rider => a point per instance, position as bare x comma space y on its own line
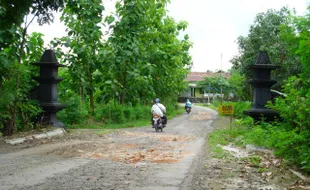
188, 104
159, 109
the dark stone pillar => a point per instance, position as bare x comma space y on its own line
47, 90
261, 84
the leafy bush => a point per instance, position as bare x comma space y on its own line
294, 109
142, 112
75, 112
115, 113
216, 102
27, 113
129, 113
288, 144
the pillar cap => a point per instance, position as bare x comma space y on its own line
48, 59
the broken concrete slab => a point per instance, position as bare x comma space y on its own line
49, 134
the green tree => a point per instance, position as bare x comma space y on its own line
13, 12
266, 35
216, 84
16, 109
239, 86
148, 58
14, 43
302, 48
83, 19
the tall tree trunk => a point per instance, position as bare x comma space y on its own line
124, 87
9, 125
82, 93
91, 92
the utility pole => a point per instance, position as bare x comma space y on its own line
209, 93
221, 79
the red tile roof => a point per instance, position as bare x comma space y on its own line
199, 76
193, 78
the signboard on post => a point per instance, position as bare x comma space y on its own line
227, 109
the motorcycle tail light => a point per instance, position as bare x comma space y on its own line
155, 116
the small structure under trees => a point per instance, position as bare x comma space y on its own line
261, 84
47, 90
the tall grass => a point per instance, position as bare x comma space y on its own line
111, 115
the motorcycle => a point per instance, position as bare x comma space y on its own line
157, 123
188, 110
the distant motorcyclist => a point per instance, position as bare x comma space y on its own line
188, 104
160, 110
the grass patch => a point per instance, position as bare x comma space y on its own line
215, 138
224, 134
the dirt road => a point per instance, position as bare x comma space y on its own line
135, 158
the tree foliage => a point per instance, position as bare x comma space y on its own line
147, 58
83, 19
15, 81
267, 34
12, 15
16, 110
216, 84
141, 55
239, 86
286, 38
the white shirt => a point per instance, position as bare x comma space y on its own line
158, 109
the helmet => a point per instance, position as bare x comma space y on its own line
157, 100
187, 100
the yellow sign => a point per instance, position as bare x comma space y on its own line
227, 109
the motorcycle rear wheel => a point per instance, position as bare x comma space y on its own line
156, 129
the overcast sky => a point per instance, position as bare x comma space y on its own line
214, 26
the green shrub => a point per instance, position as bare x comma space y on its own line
103, 113
294, 109
293, 138
142, 112
216, 102
75, 112
118, 114
27, 113
129, 113
289, 144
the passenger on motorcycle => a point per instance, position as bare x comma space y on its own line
159, 109
188, 104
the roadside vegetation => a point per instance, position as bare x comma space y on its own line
114, 116
116, 64
287, 142
112, 73
285, 37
